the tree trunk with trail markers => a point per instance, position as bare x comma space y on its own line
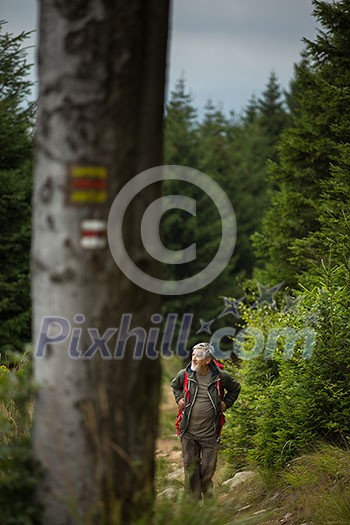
102, 75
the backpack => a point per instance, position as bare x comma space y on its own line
220, 390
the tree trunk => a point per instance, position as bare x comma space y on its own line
102, 73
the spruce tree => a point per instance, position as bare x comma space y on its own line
254, 147
309, 209
272, 113
233, 152
305, 242
180, 127
16, 124
199, 146
330, 53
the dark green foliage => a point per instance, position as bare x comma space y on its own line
311, 173
270, 110
288, 405
15, 213
233, 152
16, 122
180, 145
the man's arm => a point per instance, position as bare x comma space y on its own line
177, 384
232, 388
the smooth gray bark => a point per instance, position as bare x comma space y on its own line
102, 75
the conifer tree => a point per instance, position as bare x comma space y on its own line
180, 127
180, 148
272, 114
16, 123
233, 152
255, 146
188, 144
309, 208
251, 110
305, 242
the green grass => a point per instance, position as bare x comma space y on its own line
321, 482
19, 473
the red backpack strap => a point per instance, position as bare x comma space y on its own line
218, 364
186, 397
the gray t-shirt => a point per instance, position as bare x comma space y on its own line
202, 421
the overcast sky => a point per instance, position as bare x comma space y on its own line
226, 49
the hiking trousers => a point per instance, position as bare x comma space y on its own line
199, 457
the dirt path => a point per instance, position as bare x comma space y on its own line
168, 449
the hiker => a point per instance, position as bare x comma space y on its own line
203, 392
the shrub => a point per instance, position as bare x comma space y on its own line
287, 404
18, 471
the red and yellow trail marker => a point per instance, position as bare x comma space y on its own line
87, 185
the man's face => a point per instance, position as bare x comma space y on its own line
199, 361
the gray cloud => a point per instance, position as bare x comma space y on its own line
228, 48
279, 18
225, 48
